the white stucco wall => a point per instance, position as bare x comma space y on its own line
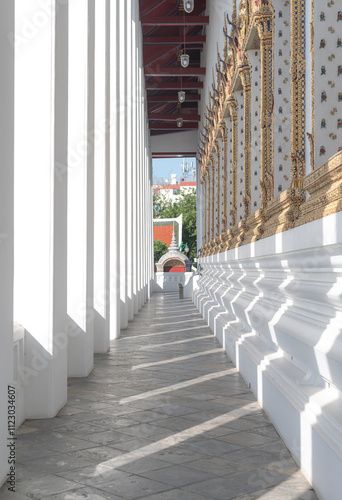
275, 307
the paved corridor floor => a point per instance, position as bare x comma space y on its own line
164, 415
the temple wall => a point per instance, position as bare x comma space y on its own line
270, 282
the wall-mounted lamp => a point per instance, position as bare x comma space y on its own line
179, 122
181, 96
189, 6
185, 60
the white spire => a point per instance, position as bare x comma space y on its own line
173, 244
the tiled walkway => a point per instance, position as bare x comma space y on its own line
164, 415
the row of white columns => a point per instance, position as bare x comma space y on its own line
79, 204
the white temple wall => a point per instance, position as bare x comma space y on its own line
282, 96
240, 160
270, 287
229, 169
254, 57
275, 307
326, 86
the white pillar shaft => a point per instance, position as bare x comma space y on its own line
114, 172
135, 186
129, 157
6, 223
101, 269
41, 72
80, 189
123, 162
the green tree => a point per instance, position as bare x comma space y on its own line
159, 249
186, 205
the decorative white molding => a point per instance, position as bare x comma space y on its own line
275, 306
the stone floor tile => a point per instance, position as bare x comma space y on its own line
132, 444
31, 452
248, 439
144, 430
176, 494
57, 463
98, 455
176, 455
84, 494
9, 495
210, 447
177, 476
134, 487
129, 433
24, 471
94, 475
42, 486
216, 465
145, 464
66, 444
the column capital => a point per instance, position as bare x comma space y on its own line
264, 21
245, 73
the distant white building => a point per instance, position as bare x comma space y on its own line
174, 189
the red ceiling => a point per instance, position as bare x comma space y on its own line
168, 29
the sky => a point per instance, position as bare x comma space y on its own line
167, 166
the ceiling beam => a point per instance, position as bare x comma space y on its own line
172, 117
173, 98
157, 71
172, 126
154, 85
174, 40
175, 21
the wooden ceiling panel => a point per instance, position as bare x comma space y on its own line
168, 31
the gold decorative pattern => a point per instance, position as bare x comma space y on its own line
313, 119
254, 28
212, 176
246, 78
298, 99
232, 104
264, 22
224, 133
218, 187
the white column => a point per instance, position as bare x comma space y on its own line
123, 162
150, 224
135, 187
143, 221
140, 188
129, 103
80, 190
101, 217
6, 223
114, 172
41, 74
